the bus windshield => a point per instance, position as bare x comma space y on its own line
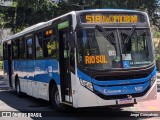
137, 50
94, 50
100, 52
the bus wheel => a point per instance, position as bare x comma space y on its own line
55, 100
17, 87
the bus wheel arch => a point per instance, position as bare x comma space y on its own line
55, 98
52, 84
17, 86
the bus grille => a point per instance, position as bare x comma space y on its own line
121, 77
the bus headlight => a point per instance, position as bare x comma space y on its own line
153, 79
86, 84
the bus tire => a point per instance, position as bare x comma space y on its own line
18, 87
55, 100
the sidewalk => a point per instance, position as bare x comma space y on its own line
158, 78
158, 74
1, 72
3, 83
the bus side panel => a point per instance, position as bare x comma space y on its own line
45, 70
41, 79
20, 70
29, 75
25, 71
22, 75
35, 75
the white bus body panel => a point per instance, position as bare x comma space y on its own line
22, 85
85, 98
82, 97
35, 89
150, 95
29, 87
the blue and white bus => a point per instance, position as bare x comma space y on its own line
100, 57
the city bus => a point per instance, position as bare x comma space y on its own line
87, 58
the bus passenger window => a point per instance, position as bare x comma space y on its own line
49, 45
15, 49
29, 48
38, 44
49, 48
22, 49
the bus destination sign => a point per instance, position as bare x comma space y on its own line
111, 18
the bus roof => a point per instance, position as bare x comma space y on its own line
111, 10
35, 27
126, 10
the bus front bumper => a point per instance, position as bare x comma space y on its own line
86, 98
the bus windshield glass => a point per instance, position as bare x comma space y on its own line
95, 51
98, 49
137, 50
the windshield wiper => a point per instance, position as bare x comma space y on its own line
130, 34
105, 34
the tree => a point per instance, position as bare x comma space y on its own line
2, 24
30, 12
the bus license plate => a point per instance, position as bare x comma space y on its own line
126, 101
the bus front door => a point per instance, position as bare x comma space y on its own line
65, 73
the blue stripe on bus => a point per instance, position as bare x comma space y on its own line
125, 89
37, 70
121, 82
83, 76
5, 66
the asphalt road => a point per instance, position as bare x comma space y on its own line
9, 101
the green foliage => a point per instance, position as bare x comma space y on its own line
157, 57
2, 20
156, 34
149, 6
2, 24
1, 65
1, 52
29, 12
